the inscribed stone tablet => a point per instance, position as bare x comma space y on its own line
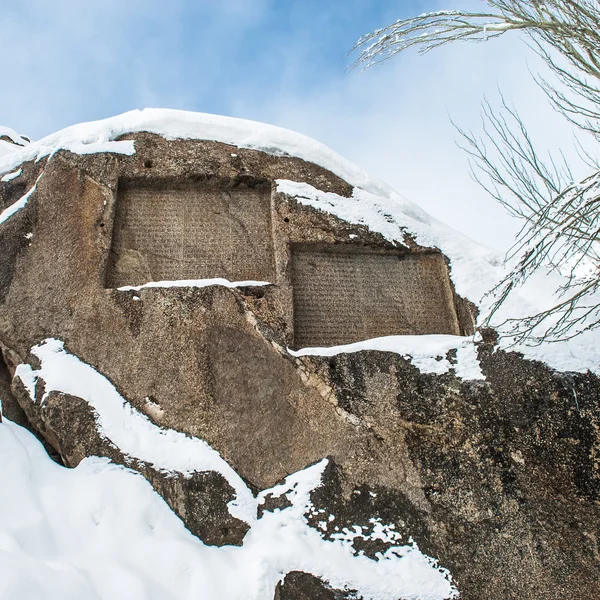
342, 297
191, 232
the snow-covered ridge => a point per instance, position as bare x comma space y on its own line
99, 136
79, 533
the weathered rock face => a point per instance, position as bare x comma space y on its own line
303, 586
497, 479
506, 468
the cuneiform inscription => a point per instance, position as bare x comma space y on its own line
343, 297
191, 232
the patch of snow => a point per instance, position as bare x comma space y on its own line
12, 135
196, 283
426, 352
378, 530
498, 27
99, 531
16, 141
11, 176
18, 205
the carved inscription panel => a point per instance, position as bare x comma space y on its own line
191, 232
345, 297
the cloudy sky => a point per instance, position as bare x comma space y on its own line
283, 62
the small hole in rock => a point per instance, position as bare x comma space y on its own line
101, 224
148, 163
286, 220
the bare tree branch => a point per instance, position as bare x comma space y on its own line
561, 217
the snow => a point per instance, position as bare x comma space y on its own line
132, 432
499, 27
99, 531
379, 531
196, 283
100, 136
10, 176
18, 205
475, 270
16, 141
12, 135
426, 352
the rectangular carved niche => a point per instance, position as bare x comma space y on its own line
200, 231
344, 295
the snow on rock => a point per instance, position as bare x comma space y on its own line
426, 352
10, 176
196, 283
10, 140
132, 432
19, 204
475, 270
13, 136
99, 531
100, 136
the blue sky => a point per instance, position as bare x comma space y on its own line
282, 62
89, 59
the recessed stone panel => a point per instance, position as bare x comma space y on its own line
191, 232
344, 295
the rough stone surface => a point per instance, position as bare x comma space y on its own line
304, 586
169, 231
497, 480
507, 468
344, 295
11, 409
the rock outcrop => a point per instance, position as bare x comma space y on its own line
496, 478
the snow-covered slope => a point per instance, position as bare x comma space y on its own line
475, 269
100, 532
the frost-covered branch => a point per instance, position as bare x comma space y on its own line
428, 31
561, 229
568, 24
565, 33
